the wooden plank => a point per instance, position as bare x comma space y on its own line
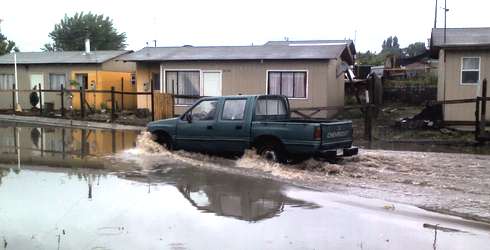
163, 106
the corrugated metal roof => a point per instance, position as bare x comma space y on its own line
461, 37
266, 52
61, 57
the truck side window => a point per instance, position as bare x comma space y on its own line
204, 111
234, 109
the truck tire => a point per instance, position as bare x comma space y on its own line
272, 151
163, 139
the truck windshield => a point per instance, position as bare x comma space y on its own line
270, 109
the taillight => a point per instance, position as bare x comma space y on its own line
317, 135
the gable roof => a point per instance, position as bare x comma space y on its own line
264, 52
459, 38
62, 57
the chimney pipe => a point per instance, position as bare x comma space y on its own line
87, 45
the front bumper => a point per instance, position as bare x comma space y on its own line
342, 152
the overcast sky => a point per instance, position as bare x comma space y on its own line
228, 22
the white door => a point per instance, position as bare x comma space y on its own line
211, 83
37, 79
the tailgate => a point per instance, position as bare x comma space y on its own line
336, 132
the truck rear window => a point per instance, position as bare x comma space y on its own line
270, 108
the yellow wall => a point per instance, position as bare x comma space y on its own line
104, 80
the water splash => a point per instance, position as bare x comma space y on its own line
149, 155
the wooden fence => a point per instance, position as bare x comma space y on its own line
369, 109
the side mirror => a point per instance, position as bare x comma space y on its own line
188, 117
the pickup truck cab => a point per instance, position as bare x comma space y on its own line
232, 124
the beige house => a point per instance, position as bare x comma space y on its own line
95, 70
310, 73
464, 61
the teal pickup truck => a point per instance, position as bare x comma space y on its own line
232, 124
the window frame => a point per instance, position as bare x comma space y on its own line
244, 110
193, 106
49, 80
289, 71
4, 77
471, 70
163, 80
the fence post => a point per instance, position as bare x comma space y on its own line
122, 93
113, 105
82, 103
368, 127
13, 98
483, 117
477, 118
152, 101
62, 94
40, 99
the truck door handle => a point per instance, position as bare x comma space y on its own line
209, 127
238, 127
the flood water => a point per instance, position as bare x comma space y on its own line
92, 189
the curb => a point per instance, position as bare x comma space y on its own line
67, 123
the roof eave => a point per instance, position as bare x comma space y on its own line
227, 59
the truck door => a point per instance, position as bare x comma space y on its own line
195, 130
233, 126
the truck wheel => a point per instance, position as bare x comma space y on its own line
164, 140
273, 152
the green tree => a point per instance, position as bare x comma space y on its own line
395, 43
414, 49
369, 58
391, 46
7, 46
71, 32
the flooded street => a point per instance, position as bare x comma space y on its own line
96, 189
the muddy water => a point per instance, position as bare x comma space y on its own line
139, 196
183, 208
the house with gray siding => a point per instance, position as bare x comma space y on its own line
310, 73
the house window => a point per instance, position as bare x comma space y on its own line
470, 70
155, 79
55, 81
6, 81
289, 83
183, 83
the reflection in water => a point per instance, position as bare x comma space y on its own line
47, 208
31, 144
229, 195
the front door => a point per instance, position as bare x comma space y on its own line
211, 83
36, 80
195, 130
233, 127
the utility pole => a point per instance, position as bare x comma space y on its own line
435, 17
445, 19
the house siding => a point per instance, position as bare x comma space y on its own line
250, 78
450, 70
104, 75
